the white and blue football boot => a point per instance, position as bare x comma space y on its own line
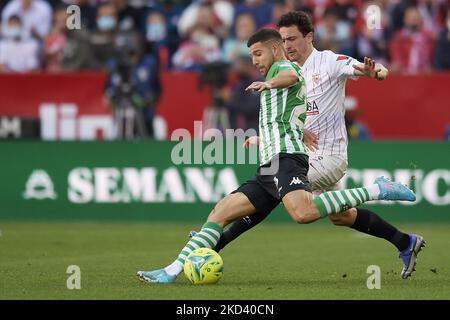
156, 276
391, 190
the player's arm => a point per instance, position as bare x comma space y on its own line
371, 69
284, 79
309, 138
252, 141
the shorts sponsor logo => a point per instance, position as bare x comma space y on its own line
296, 180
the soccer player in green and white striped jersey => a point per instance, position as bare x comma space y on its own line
282, 175
325, 134
282, 115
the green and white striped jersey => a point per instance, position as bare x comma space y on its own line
282, 115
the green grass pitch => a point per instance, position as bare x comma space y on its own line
273, 261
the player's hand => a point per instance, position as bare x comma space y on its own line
254, 140
369, 70
310, 140
258, 86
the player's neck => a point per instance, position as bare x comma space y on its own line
305, 57
280, 57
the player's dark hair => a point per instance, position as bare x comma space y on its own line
264, 35
300, 19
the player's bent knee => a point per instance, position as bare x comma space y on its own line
303, 219
303, 216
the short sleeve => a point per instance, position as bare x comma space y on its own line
287, 66
342, 66
282, 66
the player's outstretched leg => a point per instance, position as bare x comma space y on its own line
409, 255
370, 223
207, 238
229, 209
383, 189
236, 229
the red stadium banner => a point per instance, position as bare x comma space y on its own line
403, 107
183, 100
72, 105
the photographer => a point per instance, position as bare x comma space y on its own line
242, 106
215, 76
133, 87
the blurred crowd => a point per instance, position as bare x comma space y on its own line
134, 40
412, 36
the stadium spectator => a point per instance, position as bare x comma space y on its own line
102, 40
242, 106
219, 19
346, 11
411, 48
371, 39
442, 52
157, 38
316, 8
433, 14
64, 48
235, 47
77, 52
281, 7
398, 15
87, 12
36, 17
171, 12
134, 84
334, 34
261, 11
17, 54
128, 17
55, 42
202, 46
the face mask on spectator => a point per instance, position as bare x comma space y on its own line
106, 23
13, 32
413, 28
155, 31
342, 31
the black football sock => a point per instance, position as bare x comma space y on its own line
239, 227
370, 223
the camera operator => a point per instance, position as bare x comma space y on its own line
215, 76
133, 86
242, 106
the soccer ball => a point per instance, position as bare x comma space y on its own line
203, 266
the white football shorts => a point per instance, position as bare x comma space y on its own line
325, 172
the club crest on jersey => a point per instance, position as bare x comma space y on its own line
316, 79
